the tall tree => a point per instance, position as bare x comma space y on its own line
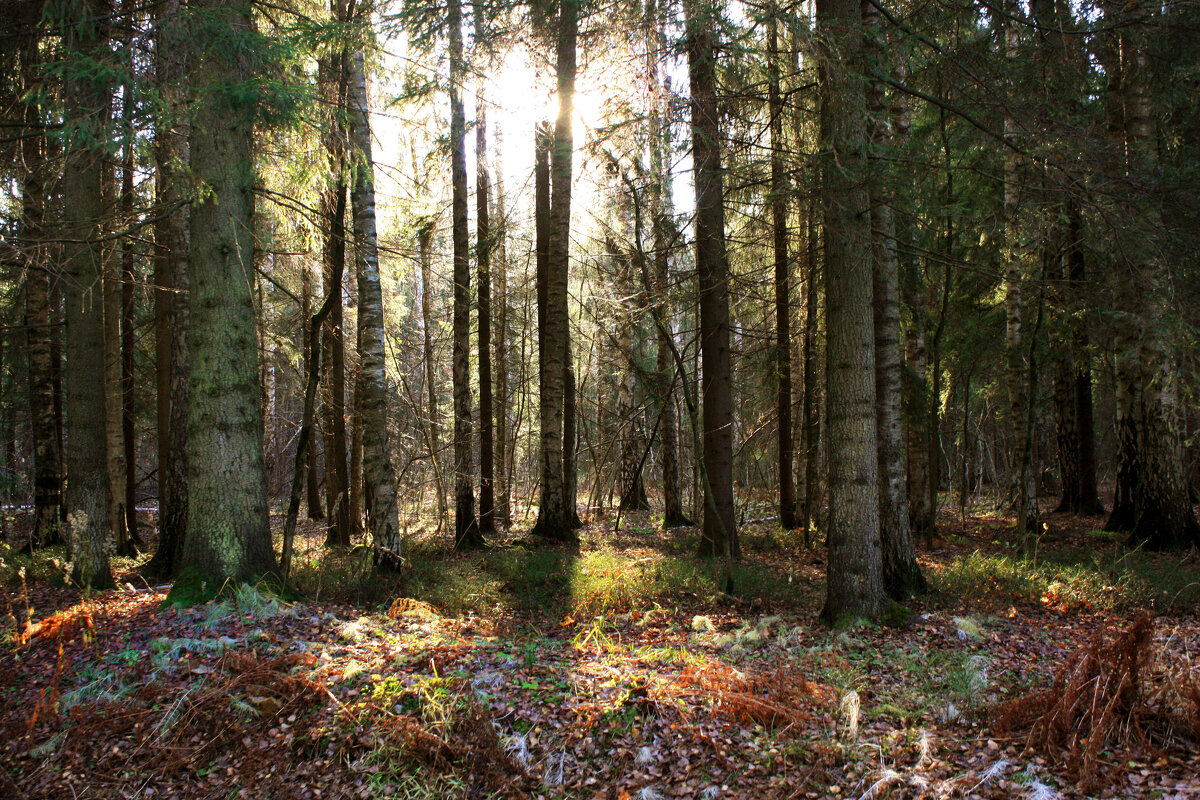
86, 98
503, 508
333, 75
172, 248
1153, 501
434, 422
228, 535
783, 310
466, 524
855, 582
379, 477
556, 512
483, 256
902, 576
47, 450
1024, 495
719, 533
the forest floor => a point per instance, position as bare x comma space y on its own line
613, 669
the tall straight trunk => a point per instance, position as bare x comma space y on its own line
1087, 499
1153, 500
333, 257
661, 210
632, 443
39, 323
87, 495
503, 511
128, 345
466, 524
172, 250
556, 512
228, 534
310, 351
855, 580
902, 576
811, 452
718, 534
333, 76
917, 401
783, 352
114, 428
379, 478
483, 251
424, 254
1023, 496
356, 440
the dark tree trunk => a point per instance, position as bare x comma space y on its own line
466, 525
783, 352
128, 346
812, 385
310, 352
41, 325
483, 251
719, 534
333, 259
556, 512
87, 495
661, 205
172, 238
228, 534
503, 512
855, 580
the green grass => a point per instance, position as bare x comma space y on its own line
570, 583
1110, 578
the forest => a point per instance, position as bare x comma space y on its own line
596, 401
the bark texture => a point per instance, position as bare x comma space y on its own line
718, 533
228, 535
87, 495
556, 512
466, 524
172, 299
855, 580
379, 477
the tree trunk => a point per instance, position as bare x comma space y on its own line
228, 534
632, 443
783, 353
1022, 479
379, 478
902, 576
483, 250
503, 511
466, 525
172, 298
662, 212
87, 495
855, 580
128, 346
424, 246
310, 352
718, 534
40, 324
812, 385
333, 79
556, 512
1153, 501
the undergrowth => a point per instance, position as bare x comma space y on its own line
1114, 578
577, 584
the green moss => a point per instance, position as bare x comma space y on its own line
191, 589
